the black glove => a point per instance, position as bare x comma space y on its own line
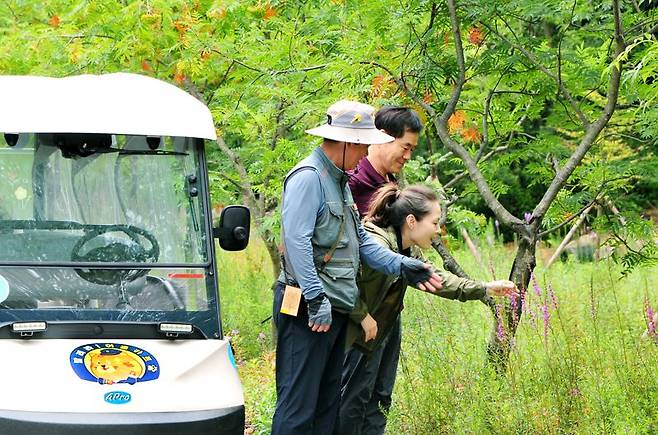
319, 310
414, 271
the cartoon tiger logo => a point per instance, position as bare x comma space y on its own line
113, 363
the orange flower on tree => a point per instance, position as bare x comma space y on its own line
179, 77
456, 121
181, 26
54, 21
475, 36
380, 85
472, 135
146, 66
446, 38
428, 97
270, 12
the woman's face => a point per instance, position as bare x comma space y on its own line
421, 232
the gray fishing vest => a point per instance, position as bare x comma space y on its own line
338, 275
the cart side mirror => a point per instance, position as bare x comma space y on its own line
233, 230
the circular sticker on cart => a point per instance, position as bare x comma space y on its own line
4, 289
114, 363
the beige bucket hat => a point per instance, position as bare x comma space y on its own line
351, 121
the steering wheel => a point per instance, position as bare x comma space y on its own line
115, 252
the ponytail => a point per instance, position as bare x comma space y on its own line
391, 205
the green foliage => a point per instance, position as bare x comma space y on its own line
572, 41
587, 370
268, 71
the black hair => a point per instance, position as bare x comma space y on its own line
391, 205
396, 120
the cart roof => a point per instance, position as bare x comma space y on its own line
119, 103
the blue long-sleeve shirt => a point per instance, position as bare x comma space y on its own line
303, 202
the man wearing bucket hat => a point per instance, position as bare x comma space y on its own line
323, 245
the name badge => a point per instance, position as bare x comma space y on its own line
292, 296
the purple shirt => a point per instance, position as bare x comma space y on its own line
364, 182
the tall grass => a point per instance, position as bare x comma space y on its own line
578, 364
245, 280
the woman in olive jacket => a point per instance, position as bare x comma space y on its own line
399, 219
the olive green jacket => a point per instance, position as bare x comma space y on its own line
382, 295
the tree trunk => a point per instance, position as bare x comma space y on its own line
449, 262
508, 316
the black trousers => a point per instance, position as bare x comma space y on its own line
367, 387
308, 372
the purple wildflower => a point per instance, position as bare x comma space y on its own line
592, 304
552, 296
500, 331
527, 216
547, 319
533, 317
513, 306
535, 285
524, 306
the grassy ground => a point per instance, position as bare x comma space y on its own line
578, 364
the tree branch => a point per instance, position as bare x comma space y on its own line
486, 157
221, 82
654, 30
594, 129
532, 58
559, 46
580, 212
239, 62
305, 69
440, 124
433, 12
229, 179
82, 36
569, 236
244, 184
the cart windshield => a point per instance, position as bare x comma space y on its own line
118, 201
104, 227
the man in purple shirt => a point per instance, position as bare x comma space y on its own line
367, 383
385, 160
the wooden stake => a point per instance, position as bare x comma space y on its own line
569, 235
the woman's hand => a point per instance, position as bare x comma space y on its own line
369, 326
501, 287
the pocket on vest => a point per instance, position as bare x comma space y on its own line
337, 214
339, 282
